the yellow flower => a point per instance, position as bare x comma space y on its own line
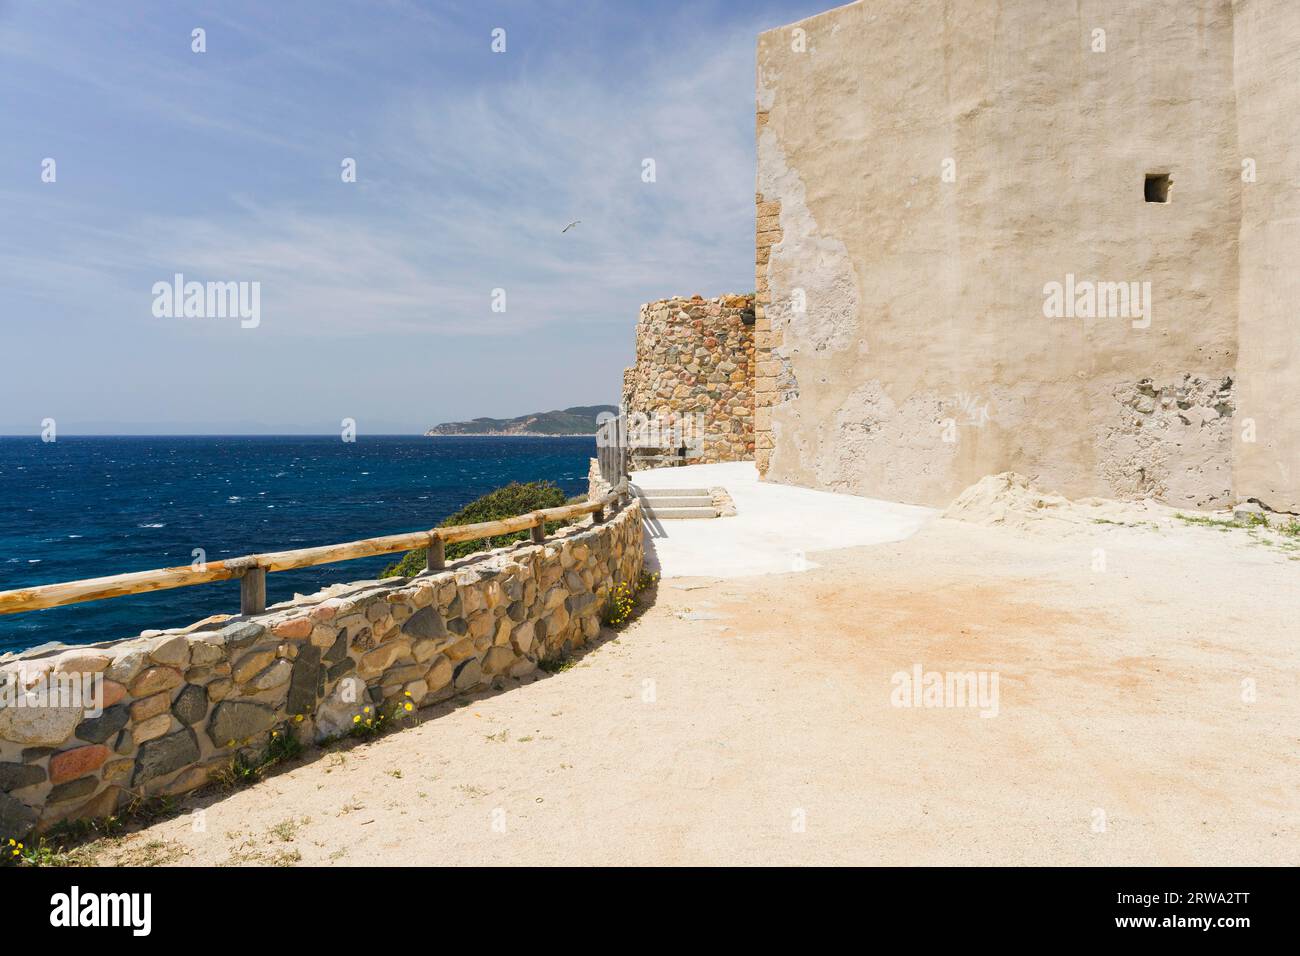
356, 719
365, 710
410, 707
298, 719
408, 693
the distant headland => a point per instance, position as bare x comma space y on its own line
580, 420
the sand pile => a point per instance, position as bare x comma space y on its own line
1010, 500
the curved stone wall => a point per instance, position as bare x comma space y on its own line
165, 712
696, 357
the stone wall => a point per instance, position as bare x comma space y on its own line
926, 172
696, 355
178, 706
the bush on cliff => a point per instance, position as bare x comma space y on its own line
514, 499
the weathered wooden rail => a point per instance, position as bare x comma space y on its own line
252, 570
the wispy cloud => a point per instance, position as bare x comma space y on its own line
226, 167
463, 195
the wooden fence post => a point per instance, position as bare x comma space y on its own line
539, 532
437, 554
252, 591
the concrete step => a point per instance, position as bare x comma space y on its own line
667, 513
677, 501
662, 503
672, 492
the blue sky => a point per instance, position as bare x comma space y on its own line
376, 296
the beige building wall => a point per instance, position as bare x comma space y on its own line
927, 168
1267, 53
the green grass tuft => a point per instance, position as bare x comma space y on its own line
514, 499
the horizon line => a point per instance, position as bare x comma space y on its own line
36, 436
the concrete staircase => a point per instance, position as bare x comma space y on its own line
660, 504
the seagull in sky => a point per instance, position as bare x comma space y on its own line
570, 226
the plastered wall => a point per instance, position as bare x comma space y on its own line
927, 170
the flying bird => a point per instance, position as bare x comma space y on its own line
570, 226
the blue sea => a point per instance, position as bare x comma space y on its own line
88, 507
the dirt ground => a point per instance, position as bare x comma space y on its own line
1148, 712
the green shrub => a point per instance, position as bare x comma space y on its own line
514, 499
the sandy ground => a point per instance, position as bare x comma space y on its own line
749, 721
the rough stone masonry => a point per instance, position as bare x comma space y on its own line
178, 706
695, 356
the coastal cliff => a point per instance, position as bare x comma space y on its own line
578, 420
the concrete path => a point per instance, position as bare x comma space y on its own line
776, 529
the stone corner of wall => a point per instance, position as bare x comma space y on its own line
695, 357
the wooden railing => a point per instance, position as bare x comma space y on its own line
252, 569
